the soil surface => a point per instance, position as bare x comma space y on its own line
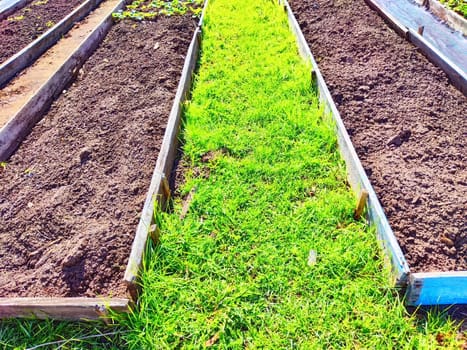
71, 196
27, 24
408, 125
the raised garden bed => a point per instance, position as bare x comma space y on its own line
442, 45
30, 53
406, 123
72, 194
27, 24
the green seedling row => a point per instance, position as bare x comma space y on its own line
261, 250
149, 10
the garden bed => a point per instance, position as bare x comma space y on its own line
406, 123
30, 22
72, 194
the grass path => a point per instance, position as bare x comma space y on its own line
270, 188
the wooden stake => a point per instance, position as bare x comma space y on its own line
362, 199
420, 30
133, 290
187, 202
154, 233
313, 77
165, 187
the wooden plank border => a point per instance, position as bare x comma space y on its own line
62, 308
30, 53
355, 172
452, 18
19, 126
11, 6
457, 76
435, 288
97, 308
159, 192
10, 137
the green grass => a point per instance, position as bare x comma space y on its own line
270, 187
22, 334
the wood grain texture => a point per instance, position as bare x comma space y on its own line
62, 308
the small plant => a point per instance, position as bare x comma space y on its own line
50, 24
41, 2
29, 171
3, 165
16, 18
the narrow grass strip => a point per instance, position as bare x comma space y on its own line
234, 272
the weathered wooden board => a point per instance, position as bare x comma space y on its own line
27, 55
62, 308
24, 117
157, 196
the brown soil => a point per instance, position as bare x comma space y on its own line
71, 195
25, 25
408, 125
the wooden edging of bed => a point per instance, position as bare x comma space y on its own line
432, 288
99, 307
62, 308
457, 76
159, 190
30, 53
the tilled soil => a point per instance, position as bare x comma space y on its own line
70, 197
27, 24
408, 125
